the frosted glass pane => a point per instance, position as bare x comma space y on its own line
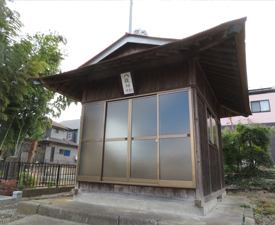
90, 159
115, 158
174, 113
215, 137
175, 159
93, 122
264, 106
255, 106
144, 159
117, 119
209, 126
144, 118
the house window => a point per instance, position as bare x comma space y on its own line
70, 135
152, 145
56, 131
260, 106
212, 129
67, 153
61, 151
64, 152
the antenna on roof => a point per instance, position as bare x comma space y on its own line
130, 17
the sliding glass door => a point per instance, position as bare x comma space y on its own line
139, 140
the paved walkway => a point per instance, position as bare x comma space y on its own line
63, 210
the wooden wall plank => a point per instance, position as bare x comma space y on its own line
146, 81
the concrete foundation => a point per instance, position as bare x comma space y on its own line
168, 204
228, 212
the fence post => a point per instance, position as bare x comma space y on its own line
7, 171
57, 179
13, 167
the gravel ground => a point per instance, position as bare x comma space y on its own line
8, 212
263, 201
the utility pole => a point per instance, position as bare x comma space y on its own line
130, 17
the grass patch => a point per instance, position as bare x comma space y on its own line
245, 206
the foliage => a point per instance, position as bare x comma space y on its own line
50, 185
247, 146
8, 186
24, 107
26, 180
245, 206
247, 179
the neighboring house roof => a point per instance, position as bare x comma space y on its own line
261, 91
58, 125
72, 124
59, 141
127, 38
219, 50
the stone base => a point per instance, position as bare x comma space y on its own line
139, 202
172, 205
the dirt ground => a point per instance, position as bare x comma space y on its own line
8, 212
263, 203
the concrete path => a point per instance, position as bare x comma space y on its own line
43, 220
228, 212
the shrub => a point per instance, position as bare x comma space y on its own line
8, 186
26, 180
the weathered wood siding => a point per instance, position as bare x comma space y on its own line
108, 88
204, 147
143, 190
221, 155
161, 78
215, 169
146, 81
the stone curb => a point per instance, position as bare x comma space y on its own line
29, 208
248, 214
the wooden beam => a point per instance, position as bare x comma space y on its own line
219, 55
162, 53
223, 49
76, 90
73, 87
222, 78
218, 65
219, 70
223, 91
207, 43
217, 60
222, 85
174, 50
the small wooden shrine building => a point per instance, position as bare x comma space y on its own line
151, 113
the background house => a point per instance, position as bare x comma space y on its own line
262, 103
58, 145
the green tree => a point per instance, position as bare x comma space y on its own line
249, 144
24, 107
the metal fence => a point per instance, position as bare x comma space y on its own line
38, 174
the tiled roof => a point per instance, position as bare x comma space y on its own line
55, 124
59, 141
72, 124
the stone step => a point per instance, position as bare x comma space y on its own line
141, 202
